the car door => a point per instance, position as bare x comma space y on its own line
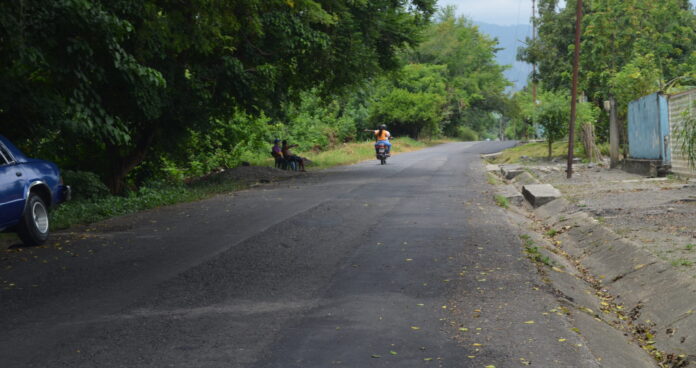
11, 188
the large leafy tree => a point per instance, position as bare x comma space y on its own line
619, 38
111, 80
412, 101
475, 82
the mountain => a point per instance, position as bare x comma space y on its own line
509, 39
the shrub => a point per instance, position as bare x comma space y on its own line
85, 185
467, 134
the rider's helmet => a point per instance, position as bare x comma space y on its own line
276, 141
383, 127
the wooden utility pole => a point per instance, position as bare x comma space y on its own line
574, 92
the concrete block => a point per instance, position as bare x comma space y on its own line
492, 168
642, 167
540, 194
511, 171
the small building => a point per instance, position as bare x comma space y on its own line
653, 125
648, 136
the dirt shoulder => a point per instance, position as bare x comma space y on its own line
656, 213
618, 247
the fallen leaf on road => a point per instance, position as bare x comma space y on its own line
529, 323
561, 340
415, 328
392, 352
376, 356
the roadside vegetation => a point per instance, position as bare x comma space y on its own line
132, 124
536, 151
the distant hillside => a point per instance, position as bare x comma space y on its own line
509, 38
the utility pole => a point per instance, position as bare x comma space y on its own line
534, 67
574, 92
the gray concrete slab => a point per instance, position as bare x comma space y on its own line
511, 171
540, 194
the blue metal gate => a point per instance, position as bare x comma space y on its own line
648, 129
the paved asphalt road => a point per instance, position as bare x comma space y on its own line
405, 265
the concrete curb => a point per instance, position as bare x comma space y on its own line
663, 299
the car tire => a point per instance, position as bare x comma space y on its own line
33, 226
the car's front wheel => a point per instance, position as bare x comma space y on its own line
33, 227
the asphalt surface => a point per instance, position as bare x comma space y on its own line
405, 265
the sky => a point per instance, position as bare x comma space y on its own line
501, 12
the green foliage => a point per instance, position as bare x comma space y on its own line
141, 77
629, 48
82, 211
85, 185
502, 201
686, 136
475, 82
411, 102
467, 134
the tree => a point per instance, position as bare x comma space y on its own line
140, 75
412, 101
475, 82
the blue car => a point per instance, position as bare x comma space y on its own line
29, 188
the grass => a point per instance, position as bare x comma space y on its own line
536, 256
551, 233
352, 153
535, 151
493, 179
690, 246
682, 262
502, 201
90, 211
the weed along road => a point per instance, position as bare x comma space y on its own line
406, 265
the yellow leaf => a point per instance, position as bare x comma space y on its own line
476, 344
464, 329
415, 328
529, 323
561, 340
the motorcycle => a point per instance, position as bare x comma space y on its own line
381, 151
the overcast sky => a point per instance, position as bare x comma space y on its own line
503, 12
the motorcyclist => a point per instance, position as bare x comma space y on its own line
382, 135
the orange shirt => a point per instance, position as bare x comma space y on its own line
382, 137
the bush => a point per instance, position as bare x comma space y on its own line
85, 185
467, 134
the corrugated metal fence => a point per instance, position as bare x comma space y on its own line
648, 128
678, 105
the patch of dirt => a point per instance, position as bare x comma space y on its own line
249, 175
656, 213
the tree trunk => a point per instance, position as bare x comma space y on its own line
550, 149
588, 142
122, 164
